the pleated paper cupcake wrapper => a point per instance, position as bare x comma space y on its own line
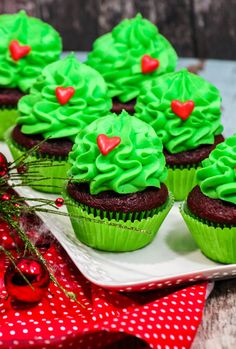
180, 181
114, 235
131, 216
216, 242
8, 118
49, 176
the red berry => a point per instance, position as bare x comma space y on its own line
22, 169
5, 197
3, 165
59, 202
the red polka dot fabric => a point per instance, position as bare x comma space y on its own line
161, 319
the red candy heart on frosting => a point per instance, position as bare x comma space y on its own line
64, 94
149, 64
107, 144
182, 109
18, 51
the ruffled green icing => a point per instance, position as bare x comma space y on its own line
136, 163
45, 45
204, 123
117, 56
40, 111
217, 177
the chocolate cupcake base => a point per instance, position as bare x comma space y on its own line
146, 200
216, 241
118, 106
191, 157
182, 168
213, 211
58, 148
115, 231
45, 172
9, 98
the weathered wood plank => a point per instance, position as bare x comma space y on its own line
215, 28
76, 20
200, 28
172, 19
218, 328
80, 22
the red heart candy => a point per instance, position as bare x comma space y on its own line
18, 51
107, 144
149, 64
64, 94
182, 109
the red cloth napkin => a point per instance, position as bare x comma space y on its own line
162, 320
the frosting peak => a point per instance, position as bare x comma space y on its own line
183, 108
118, 56
119, 153
20, 67
217, 177
67, 96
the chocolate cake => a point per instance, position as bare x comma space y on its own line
118, 106
191, 157
9, 97
211, 210
145, 200
53, 147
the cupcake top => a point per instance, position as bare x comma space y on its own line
217, 177
183, 108
118, 153
27, 45
67, 96
133, 53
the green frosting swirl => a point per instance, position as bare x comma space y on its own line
40, 111
45, 45
136, 163
177, 135
117, 56
217, 177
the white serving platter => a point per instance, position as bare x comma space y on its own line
171, 259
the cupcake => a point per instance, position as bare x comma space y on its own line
132, 54
27, 45
116, 196
67, 97
185, 111
210, 210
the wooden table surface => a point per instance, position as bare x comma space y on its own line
218, 328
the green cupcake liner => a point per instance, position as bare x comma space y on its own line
180, 181
131, 216
8, 118
111, 234
51, 175
216, 242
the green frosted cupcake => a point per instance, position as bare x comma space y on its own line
210, 210
185, 111
133, 53
27, 45
67, 97
117, 199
